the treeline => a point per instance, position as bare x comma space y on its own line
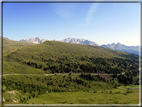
91, 65
129, 77
90, 77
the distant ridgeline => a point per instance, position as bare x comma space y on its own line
118, 46
37, 40
59, 57
121, 47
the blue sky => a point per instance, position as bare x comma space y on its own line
102, 23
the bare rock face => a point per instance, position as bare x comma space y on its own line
37, 40
79, 41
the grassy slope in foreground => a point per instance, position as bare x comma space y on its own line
33, 89
21, 88
89, 97
56, 57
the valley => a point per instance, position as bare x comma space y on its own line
68, 53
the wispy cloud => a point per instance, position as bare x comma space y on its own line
92, 9
63, 9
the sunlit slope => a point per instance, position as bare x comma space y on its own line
15, 67
10, 45
57, 57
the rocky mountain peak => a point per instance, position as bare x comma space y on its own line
122, 47
118, 46
79, 41
37, 40
113, 44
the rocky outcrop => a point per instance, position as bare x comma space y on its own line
79, 41
37, 40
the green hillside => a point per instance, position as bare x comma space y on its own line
10, 45
15, 67
58, 57
69, 69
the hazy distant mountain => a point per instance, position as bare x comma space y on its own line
118, 46
37, 40
121, 47
79, 41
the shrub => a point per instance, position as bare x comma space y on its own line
117, 92
7, 100
125, 93
95, 91
129, 91
69, 74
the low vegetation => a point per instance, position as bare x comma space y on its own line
87, 98
10, 45
57, 57
22, 89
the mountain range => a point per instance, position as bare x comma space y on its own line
113, 46
79, 41
37, 40
122, 47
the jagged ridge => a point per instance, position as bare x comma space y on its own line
37, 40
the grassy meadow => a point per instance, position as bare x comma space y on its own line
24, 90
100, 97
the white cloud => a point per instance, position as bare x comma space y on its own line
92, 9
64, 10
